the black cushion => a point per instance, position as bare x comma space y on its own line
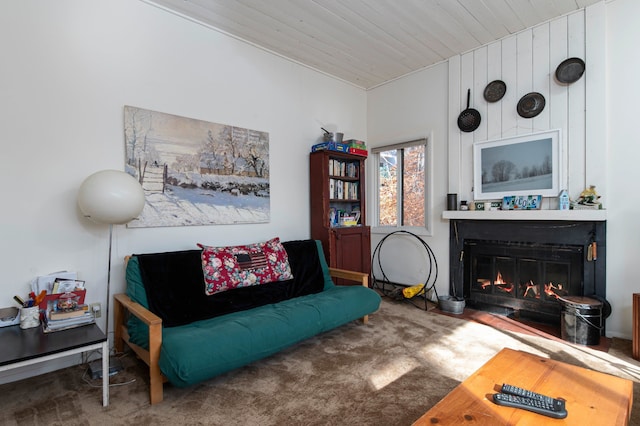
174, 284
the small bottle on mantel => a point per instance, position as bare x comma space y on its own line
563, 200
463, 205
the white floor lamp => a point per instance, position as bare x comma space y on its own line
110, 197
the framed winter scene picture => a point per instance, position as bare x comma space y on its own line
195, 172
521, 165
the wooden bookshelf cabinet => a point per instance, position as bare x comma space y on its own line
337, 188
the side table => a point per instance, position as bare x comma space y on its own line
26, 347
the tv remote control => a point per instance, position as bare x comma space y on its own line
525, 393
556, 409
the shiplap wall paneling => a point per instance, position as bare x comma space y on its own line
467, 138
453, 150
526, 62
576, 106
541, 76
494, 109
558, 99
509, 76
480, 78
524, 76
541, 79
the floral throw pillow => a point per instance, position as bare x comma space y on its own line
226, 268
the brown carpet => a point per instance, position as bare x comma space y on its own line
388, 372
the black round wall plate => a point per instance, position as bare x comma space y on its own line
495, 91
531, 105
570, 70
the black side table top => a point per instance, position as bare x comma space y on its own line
18, 345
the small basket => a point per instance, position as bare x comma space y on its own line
451, 305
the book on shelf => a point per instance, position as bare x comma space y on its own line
343, 168
340, 191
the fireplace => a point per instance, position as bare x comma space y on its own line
524, 267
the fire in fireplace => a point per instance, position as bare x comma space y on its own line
523, 267
522, 276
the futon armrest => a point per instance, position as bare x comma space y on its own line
138, 310
359, 277
151, 355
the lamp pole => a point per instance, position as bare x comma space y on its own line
111, 197
106, 323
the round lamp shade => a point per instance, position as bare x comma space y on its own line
111, 196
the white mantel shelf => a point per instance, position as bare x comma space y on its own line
569, 215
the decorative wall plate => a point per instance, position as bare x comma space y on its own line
570, 70
495, 91
531, 105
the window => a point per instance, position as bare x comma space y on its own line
401, 185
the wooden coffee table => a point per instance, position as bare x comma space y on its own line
592, 398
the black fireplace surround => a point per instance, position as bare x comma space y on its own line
482, 251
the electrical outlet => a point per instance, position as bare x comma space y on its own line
96, 309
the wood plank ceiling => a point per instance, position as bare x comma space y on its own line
369, 42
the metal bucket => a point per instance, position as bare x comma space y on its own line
451, 304
581, 320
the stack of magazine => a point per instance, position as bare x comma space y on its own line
57, 320
64, 306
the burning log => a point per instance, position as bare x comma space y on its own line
499, 283
550, 290
533, 289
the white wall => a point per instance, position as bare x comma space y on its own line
623, 149
407, 109
68, 69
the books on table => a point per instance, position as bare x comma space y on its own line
78, 311
77, 318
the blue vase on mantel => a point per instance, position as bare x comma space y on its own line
563, 200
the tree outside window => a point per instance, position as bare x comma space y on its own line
401, 181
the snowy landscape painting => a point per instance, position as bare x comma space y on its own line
195, 172
521, 165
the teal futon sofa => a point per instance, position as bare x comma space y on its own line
186, 336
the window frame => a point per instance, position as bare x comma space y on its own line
425, 230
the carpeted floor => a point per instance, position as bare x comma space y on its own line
388, 372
